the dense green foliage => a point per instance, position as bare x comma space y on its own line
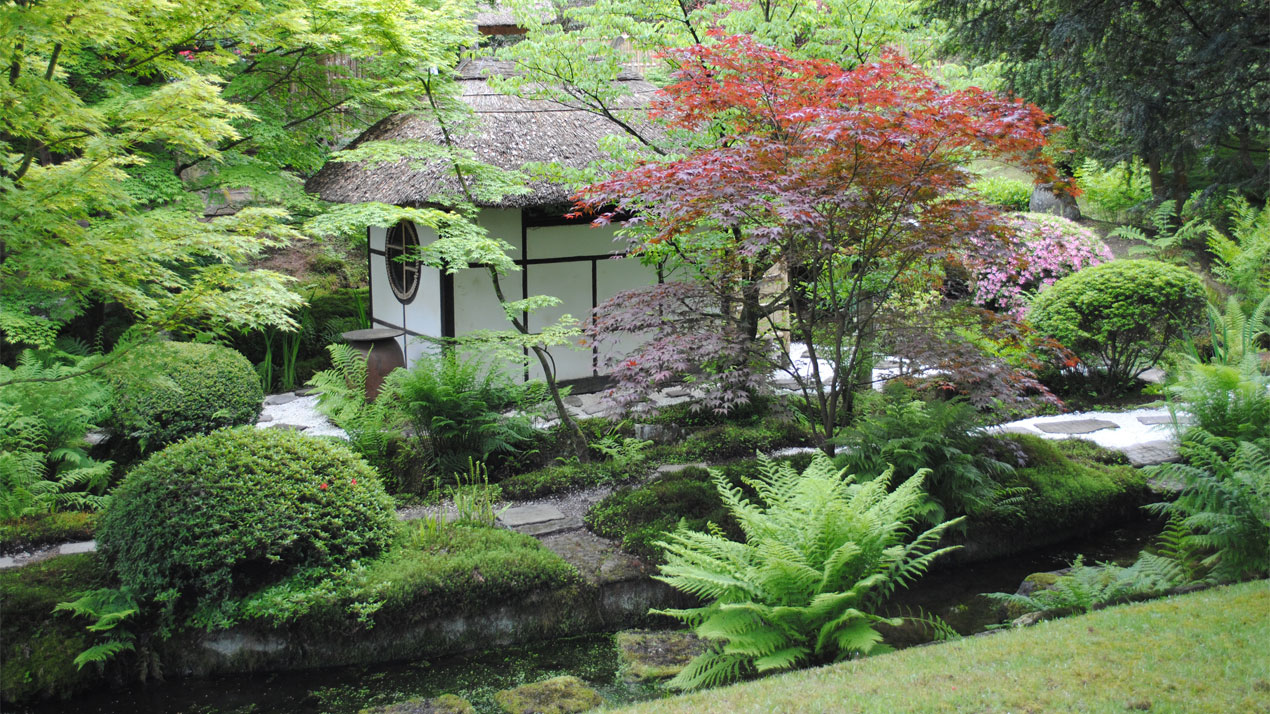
456, 409
731, 441
1122, 316
820, 553
1225, 502
910, 435
220, 515
1110, 194
1084, 587
1180, 84
1227, 402
1008, 193
165, 391
45, 412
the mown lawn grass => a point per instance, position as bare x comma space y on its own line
1197, 653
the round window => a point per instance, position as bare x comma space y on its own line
402, 251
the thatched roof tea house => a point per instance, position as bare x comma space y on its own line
564, 258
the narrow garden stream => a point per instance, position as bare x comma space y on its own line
949, 593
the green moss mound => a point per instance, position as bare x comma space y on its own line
222, 514
1071, 485
558, 695
454, 570
166, 391
37, 647
46, 529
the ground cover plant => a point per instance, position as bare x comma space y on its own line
820, 553
1197, 645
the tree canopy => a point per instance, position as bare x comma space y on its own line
846, 180
1183, 84
124, 119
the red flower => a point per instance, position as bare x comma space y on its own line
354, 482
323, 486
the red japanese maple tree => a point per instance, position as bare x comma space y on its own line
816, 194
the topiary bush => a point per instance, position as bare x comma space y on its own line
166, 391
1120, 317
219, 515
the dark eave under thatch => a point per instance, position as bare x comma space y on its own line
511, 133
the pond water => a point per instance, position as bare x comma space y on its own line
950, 593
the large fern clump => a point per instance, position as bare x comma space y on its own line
1225, 502
45, 412
942, 437
820, 553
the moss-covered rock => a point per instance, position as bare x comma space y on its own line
444, 704
657, 654
558, 695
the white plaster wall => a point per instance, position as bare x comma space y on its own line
614, 276
571, 283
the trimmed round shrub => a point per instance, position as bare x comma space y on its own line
166, 391
220, 515
1120, 317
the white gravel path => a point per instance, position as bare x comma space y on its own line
1129, 429
301, 411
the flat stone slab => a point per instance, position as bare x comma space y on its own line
677, 392
1151, 453
546, 528
276, 399
665, 469
1016, 430
289, 427
529, 515
1076, 426
87, 546
573, 401
1165, 419
657, 654
599, 561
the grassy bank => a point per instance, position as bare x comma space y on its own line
1203, 652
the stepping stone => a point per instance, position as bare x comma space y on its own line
677, 392
274, 400
529, 515
289, 427
573, 401
1016, 430
657, 654
1155, 375
88, 546
666, 469
264, 418
558, 695
546, 528
1150, 453
1077, 426
1164, 419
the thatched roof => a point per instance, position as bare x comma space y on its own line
511, 133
